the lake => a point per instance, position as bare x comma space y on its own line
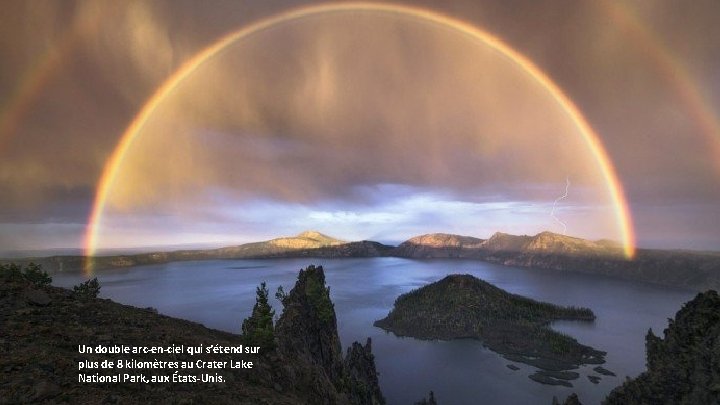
221, 293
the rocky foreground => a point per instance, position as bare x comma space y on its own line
684, 366
42, 327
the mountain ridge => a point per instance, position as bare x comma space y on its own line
545, 250
436, 245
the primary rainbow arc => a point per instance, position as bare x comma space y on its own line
112, 166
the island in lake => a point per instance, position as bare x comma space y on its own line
463, 306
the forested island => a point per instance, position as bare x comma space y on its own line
462, 306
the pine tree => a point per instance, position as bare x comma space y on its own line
258, 329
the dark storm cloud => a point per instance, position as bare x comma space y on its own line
116, 53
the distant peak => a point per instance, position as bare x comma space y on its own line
553, 236
314, 235
306, 240
319, 237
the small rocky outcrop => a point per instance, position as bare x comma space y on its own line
37, 297
572, 399
603, 371
554, 377
430, 400
684, 366
362, 375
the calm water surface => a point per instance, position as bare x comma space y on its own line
221, 293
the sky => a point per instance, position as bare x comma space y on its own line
360, 124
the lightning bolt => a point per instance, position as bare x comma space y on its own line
552, 212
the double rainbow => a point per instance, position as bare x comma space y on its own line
113, 164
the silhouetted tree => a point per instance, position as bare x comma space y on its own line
87, 290
258, 329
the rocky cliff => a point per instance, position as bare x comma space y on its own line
308, 342
448, 245
438, 245
684, 366
549, 242
547, 250
362, 375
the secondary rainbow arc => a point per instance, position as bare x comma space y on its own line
674, 70
113, 164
